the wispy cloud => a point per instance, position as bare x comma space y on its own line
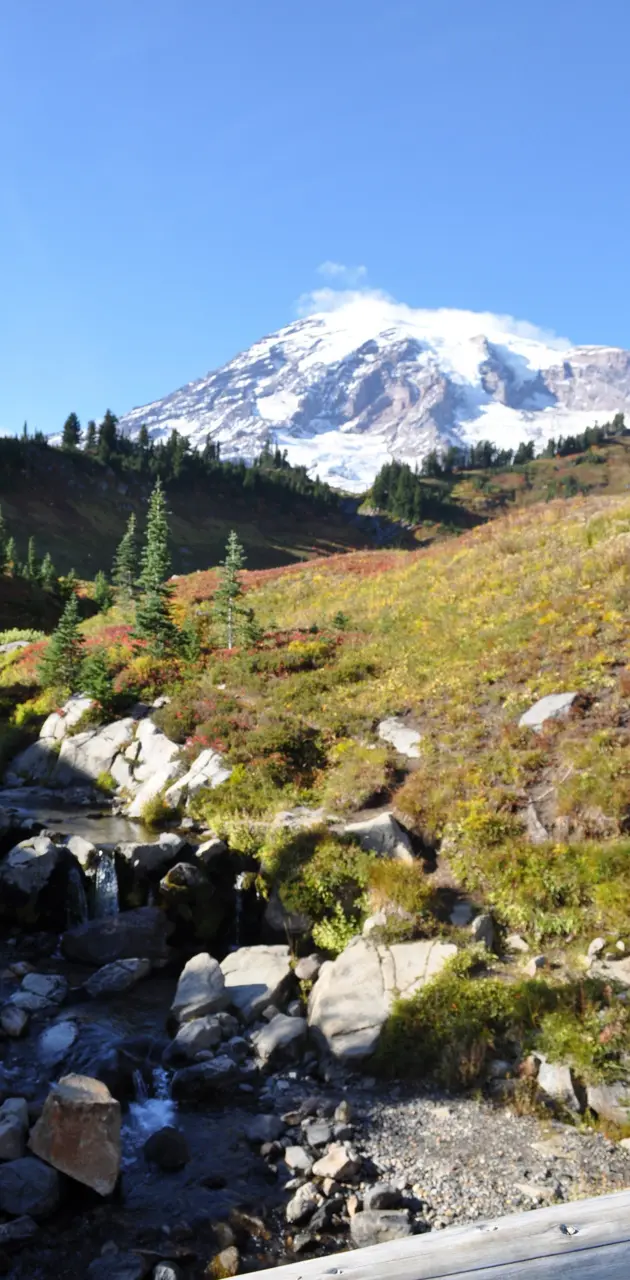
330, 299
344, 276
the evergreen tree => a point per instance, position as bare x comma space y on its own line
103, 594
48, 573
125, 567
68, 584
4, 543
107, 436
71, 435
153, 621
10, 561
33, 566
96, 680
90, 437
238, 622
62, 661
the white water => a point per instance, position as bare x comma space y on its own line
77, 908
239, 885
105, 887
152, 1109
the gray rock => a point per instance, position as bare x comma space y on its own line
341, 1162
193, 1037
307, 969
207, 852
158, 764
119, 976
255, 977
90, 754
58, 723
117, 1266
378, 1226
156, 857
298, 1160
29, 1187
406, 741
304, 1203
238, 1048
537, 834
534, 966
201, 989
596, 947
14, 1021
277, 920
85, 853
610, 1101
382, 835
168, 1149
18, 1232
555, 1082
618, 969
78, 1132
141, 932
27, 869
382, 1196
205, 1080
167, 1271
556, 706
208, 770
516, 944
355, 993
56, 1041
482, 930
12, 1135
282, 1040
265, 1128
318, 1133
51, 987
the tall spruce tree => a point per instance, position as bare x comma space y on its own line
153, 620
10, 561
107, 436
71, 435
125, 569
61, 665
234, 620
103, 593
48, 573
90, 437
33, 566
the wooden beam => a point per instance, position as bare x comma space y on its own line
583, 1240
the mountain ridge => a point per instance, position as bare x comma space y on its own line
345, 390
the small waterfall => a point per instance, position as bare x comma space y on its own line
77, 907
105, 886
239, 885
152, 1109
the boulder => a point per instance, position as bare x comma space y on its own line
14, 1021
340, 1163
618, 969
154, 858
29, 1187
27, 869
13, 1129
58, 723
119, 976
610, 1101
282, 1040
224, 1264
265, 1128
158, 763
85, 853
90, 754
208, 770
142, 932
405, 741
382, 1196
378, 1226
200, 990
279, 922
556, 706
482, 930
318, 1133
56, 1041
118, 1266
382, 835
255, 977
34, 764
298, 1160
168, 1149
78, 1132
51, 987
193, 1037
555, 1082
205, 1080
307, 969
211, 849
304, 1203
354, 994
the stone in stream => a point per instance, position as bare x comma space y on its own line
168, 1149
255, 977
304, 1204
56, 1041
14, 1021
27, 1186
117, 977
78, 1132
141, 932
205, 1080
28, 869
13, 1128
264, 1128
200, 990
282, 1040
18, 1232
118, 1266
210, 850
156, 857
379, 1226
192, 1037
85, 853
40, 992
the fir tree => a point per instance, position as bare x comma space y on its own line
90, 437
103, 594
96, 680
4, 543
71, 435
33, 567
62, 661
107, 436
238, 622
10, 561
48, 573
153, 621
125, 567
68, 584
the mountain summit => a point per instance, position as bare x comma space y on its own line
348, 389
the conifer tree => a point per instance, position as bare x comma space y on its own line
32, 569
48, 573
69, 584
62, 661
125, 568
71, 435
107, 436
96, 680
90, 437
153, 621
11, 557
236, 622
103, 594
4, 543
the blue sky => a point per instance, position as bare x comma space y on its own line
173, 174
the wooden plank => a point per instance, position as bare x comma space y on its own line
585, 1239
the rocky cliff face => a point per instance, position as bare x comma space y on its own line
346, 390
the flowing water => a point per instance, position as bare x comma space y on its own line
152, 1109
77, 907
105, 886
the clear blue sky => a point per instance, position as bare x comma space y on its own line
173, 171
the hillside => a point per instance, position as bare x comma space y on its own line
347, 389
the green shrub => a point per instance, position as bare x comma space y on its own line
357, 773
157, 812
21, 633
106, 783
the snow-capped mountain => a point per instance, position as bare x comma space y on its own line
348, 389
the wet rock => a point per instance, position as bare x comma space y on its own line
404, 740
27, 870
167, 1271
304, 1204
298, 1160
78, 1132
84, 852
40, 992
382, 1196
307, 969
142, 932
210, 850
147, 859
556, 706
376, 1227
318, 1133
255, 977
200, 990
224, 1264
168, 1149
193, 1037
238, 1048
278, 921
340, 1162
382, 835
56, 1041
205, 1080
14, 1021
119, 976
482, 930
610, 1101
208, 770
13, 1129
282, 1040
118, 1266
20, 1231
354, 993
555, 1082
264, 1128
28, 1187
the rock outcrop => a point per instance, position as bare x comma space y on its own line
256, 977
78, 1132
142, 932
